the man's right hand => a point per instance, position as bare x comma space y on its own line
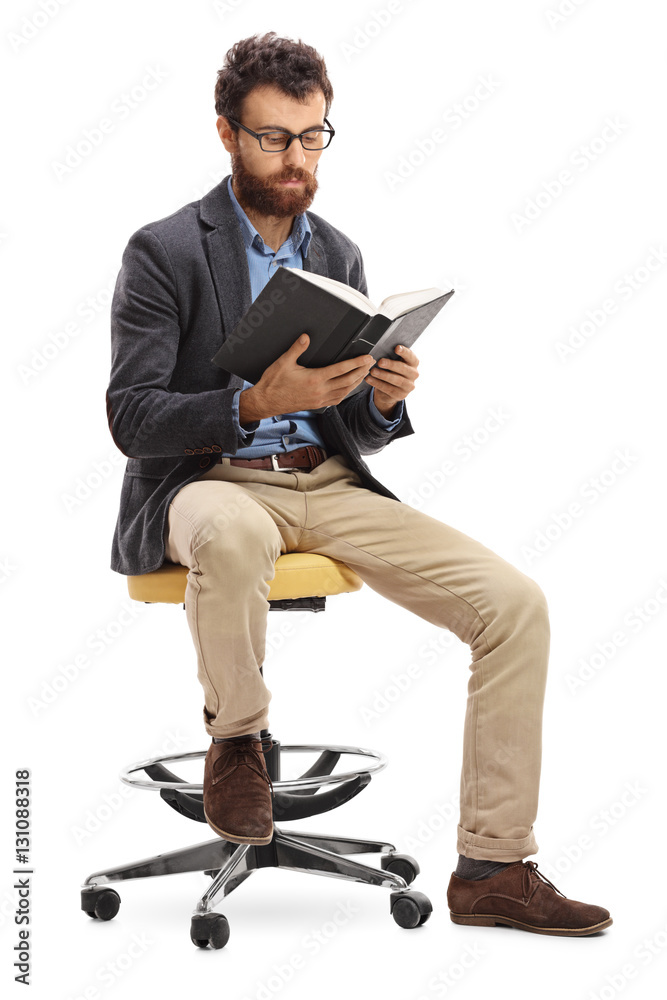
287, 387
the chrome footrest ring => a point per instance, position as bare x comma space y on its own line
379, 759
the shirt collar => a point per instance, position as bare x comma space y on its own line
299, 237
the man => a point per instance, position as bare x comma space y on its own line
224, 476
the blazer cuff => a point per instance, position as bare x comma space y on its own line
388, 425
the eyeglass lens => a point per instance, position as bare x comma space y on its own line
310, 140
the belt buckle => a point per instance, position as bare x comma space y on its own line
275, 466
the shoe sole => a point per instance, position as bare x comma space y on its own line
236, 838
493, 919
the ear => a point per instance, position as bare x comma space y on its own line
227, 136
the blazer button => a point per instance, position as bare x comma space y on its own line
189, 451
216, 447
203, 462
207, 451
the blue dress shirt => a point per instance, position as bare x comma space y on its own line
286, 431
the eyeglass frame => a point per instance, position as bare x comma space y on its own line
291, 135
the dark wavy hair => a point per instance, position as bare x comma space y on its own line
296, 68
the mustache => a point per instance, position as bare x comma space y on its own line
291, 175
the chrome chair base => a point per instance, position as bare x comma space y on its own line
229, 864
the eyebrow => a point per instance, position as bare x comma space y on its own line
283, 128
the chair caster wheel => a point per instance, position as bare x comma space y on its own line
400, 864
102, 904
209, 929
410, 909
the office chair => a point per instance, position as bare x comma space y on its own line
301, 581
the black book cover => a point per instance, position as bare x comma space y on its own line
289, 305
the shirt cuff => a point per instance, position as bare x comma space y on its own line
388, 425
243, 433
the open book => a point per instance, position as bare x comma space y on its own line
341, 322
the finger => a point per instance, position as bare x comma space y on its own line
363, 361
385, 378
386, 366
405, 366
350, 375
407, 354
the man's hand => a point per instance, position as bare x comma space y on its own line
287, 387
393, 380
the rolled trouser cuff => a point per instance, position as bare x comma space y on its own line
470, 845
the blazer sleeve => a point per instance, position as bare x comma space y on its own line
355, 411
146, 418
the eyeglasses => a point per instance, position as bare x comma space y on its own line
277, 141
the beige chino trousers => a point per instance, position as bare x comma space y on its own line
230, 526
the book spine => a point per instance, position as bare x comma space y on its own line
341, 335
365, 338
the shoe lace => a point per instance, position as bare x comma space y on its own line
531, 870
245, 752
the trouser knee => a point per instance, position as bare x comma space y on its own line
521, 600
238, 516
244, 545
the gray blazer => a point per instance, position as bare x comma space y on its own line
182, 287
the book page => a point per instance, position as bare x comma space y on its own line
339, 289
395, 305
391, 307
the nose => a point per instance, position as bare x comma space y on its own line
295, 154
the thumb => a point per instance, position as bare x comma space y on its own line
300, 345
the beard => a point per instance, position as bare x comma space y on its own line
266, 196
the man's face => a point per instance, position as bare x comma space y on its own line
259, 177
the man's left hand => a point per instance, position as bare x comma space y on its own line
393, 380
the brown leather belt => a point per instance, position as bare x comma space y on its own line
306, 459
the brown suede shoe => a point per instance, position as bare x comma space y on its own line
520, 896
238, 791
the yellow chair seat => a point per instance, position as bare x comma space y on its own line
298, 574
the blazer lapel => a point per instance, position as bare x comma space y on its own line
316, 258
227, 257
228, 261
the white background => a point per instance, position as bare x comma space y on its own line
522, 287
